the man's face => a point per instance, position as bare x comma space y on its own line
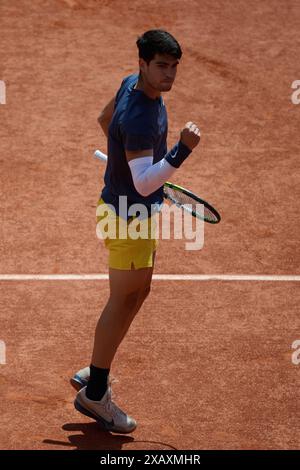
161, 71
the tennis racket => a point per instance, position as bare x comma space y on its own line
183, 198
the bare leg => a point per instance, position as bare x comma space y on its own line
128, 290
141, 299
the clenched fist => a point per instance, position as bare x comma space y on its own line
190, 135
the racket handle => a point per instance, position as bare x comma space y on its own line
100, 155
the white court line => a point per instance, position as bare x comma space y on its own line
156, 277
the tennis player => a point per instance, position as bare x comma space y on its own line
135, 123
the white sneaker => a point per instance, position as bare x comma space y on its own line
80, 379
105, 412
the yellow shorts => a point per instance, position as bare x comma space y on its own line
124, 251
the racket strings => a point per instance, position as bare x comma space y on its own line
190, 204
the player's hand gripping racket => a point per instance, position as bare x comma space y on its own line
183, 198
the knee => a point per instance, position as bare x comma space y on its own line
130, 300
136, 298
139, 294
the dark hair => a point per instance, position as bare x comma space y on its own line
157, 41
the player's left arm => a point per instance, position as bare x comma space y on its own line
106, 115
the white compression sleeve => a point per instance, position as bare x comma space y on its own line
147, 178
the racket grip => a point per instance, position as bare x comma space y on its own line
100, 155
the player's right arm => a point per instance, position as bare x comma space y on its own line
147, 177
107, 112
106, 115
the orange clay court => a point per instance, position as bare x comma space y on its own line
207, 364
